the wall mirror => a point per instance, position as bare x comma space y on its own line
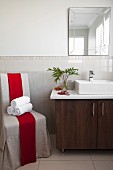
88, 31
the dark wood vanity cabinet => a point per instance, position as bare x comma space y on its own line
84, 124
105, 124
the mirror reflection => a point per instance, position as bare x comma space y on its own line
88, 32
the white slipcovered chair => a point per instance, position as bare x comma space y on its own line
9, 130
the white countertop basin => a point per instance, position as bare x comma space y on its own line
104, 87
74, 95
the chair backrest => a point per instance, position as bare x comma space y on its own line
5, 89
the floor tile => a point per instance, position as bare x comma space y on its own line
68, 154
73, 160
101, 155
66, 165
103, 165
31, 166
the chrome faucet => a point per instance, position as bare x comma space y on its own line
91, 74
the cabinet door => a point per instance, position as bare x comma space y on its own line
105, 124
76, 122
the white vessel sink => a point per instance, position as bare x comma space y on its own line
94, 87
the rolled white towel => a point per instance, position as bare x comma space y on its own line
11, 110
22, 109
20, 101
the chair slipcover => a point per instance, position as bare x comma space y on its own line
9, 129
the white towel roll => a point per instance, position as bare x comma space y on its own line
20, 101
11, 110
22, 109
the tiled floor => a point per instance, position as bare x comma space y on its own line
73, 160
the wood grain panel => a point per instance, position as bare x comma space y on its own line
105, 124
76, 126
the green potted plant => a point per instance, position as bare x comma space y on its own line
63, 75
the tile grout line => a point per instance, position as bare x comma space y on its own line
38, 165
92, 161
66, 160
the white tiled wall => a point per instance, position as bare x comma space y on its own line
42, 82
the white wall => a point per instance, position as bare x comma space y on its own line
38, 27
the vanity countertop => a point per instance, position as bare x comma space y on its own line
74, 95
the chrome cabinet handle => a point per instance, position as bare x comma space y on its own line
93, 109
102, 109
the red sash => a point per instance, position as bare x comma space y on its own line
26, 122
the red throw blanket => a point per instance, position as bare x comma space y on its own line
26, 122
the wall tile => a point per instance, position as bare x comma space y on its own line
38, 104
101, 67
42, 82
36, 81
103, 74
23, 65
49, 84
2, 66
50, 115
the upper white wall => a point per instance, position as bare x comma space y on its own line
38, 27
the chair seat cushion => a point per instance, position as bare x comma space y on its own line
12, 137
12, 125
